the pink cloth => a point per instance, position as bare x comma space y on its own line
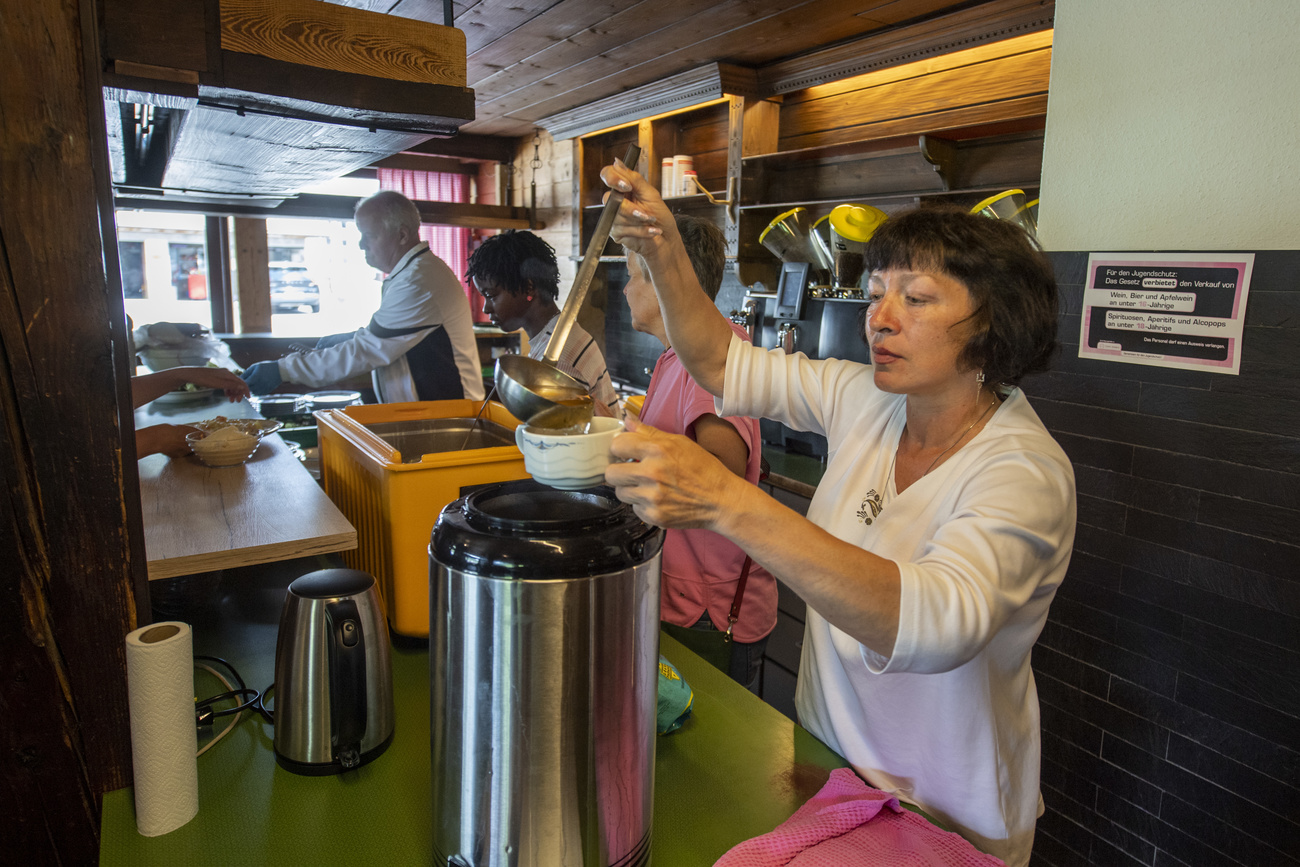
849, 823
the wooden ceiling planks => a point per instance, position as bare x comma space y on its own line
745, 33
530, 59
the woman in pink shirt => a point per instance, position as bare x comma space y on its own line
701, 569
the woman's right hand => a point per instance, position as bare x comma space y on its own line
643, 217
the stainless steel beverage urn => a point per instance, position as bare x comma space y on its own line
543, 654
333, 674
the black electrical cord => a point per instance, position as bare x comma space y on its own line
204, 711
260, 705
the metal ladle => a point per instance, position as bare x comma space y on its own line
536, 391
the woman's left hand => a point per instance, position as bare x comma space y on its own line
669, 480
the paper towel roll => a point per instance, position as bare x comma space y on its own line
164, 737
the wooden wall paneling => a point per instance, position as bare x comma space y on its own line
252, 276
71, 592
974, 121
881, 110
762, 119
704, 136
1026, 44
971, 25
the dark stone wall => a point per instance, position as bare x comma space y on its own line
1169, 671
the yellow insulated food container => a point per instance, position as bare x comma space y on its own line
391, 468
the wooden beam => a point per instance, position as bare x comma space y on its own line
407, 161
686, 90
70, 522
329, 36
495, 148
339, 208
252, 276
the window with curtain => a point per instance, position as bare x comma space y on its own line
449, 243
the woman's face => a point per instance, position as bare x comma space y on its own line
507, 309
917, 325
641, 300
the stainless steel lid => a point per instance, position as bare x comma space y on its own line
524, 529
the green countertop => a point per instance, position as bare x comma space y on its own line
736, 770
792, 471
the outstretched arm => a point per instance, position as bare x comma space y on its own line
150, 386
673, 482
696, 329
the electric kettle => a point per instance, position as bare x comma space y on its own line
333, 674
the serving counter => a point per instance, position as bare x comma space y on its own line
735, 770
198, 519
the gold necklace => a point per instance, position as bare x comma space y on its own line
992, 404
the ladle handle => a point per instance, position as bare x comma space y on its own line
587, 269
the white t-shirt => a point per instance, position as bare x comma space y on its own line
423, 319
949, 721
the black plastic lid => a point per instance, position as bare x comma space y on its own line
328, 583
524, 529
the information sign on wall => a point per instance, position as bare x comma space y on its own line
1166, 309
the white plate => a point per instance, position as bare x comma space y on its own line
172, 398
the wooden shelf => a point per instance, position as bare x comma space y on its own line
885, 201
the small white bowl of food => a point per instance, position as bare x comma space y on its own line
223, 447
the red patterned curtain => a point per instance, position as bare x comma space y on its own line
449, 243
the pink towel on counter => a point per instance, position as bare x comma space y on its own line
846, 824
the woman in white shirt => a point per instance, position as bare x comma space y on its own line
944, 520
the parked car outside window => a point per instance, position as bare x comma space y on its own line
292, 289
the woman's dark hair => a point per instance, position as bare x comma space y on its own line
509, 259
1012, 287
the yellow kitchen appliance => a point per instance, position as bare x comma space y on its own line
1012, 207
391, 468
851, 226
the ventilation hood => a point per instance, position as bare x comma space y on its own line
246, 102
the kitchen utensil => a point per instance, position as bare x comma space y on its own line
791, 237
851, 227
536, 392
1012, 207
569, 461
539, 393
543, 646
333, 674
335, 399
278, 405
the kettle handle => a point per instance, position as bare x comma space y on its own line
347, 679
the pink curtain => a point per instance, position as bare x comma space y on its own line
448, 243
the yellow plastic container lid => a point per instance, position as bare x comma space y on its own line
856, 222
779, 220
997, 198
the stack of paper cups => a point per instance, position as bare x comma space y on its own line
681, 165
666, 178
688, 183
164, 735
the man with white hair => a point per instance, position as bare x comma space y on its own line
419, 344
